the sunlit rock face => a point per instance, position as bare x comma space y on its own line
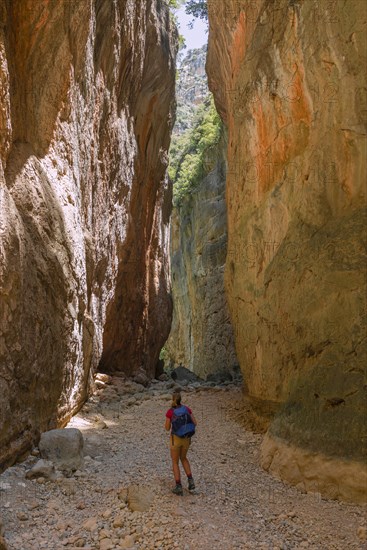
85, 118
289, 82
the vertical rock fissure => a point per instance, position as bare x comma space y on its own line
201, 337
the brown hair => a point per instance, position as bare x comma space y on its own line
176, 399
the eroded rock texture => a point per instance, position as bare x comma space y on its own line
85, 119
201, 337
289, 81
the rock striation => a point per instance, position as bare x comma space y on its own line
86, 100
289, 81
201, 336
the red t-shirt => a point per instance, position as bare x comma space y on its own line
169, 413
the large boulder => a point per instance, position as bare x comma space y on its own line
182, 373
220, 377
141, 378
64, 448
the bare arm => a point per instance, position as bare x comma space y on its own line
194, 419
167, 424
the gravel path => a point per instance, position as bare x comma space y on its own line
236, 506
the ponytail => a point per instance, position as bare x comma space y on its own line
176, 399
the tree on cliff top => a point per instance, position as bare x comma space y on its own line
175, 4
197, 9
189, 151
192, 7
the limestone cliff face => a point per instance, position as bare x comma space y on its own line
85, 118
201, 337
191, 88
289, 81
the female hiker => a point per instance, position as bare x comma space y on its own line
181, 422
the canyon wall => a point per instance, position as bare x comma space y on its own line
191, 87
86, 101
289, 81
201, 337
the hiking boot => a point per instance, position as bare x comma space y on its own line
191, 485
178, 490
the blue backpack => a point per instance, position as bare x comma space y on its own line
182, 424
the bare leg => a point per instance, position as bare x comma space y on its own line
184, 461
175, 455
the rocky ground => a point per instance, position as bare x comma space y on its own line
236, 505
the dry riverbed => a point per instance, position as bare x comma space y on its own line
236, 505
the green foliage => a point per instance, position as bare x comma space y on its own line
181, 42
189, 151
192, 7
175, 4
163, 354
197, 9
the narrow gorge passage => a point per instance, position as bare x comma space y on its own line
236, 505
190, 220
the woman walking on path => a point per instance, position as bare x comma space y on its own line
181, 422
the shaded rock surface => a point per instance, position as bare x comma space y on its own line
182, 373
86, 91
43, 468
201, 336
64, 448
289, 81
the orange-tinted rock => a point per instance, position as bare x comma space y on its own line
86, 91
289, 81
